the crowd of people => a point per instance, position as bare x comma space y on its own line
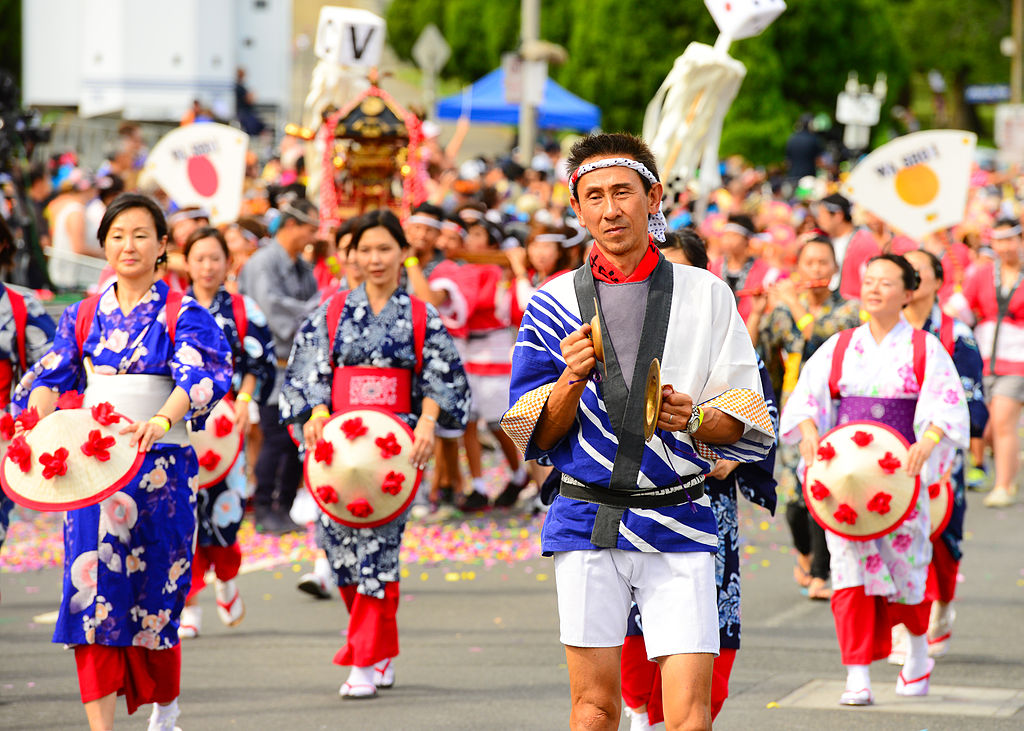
505, 340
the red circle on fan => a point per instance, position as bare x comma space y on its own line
202, 175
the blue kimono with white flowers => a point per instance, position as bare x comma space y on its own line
127, 560
220, 507
369, 556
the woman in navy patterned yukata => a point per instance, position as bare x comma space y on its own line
375, 329
220, 506
127, 559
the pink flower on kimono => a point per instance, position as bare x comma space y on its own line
83, 578
157, 477
133, 561
901, 543
108, 302
873, 563
50, 361
187, 355
118, 515
177, 569
115, 342
103, 608
951, 397
157, 621
146, 638
201, 393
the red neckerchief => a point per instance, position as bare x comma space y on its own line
605, 271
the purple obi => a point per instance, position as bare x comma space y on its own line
895, 412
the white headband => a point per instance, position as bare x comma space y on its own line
551, 238
1007, 234
188, 214
425, 220
738, 229
656, 223
453, 228
289, 210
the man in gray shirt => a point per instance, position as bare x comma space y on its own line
282, 284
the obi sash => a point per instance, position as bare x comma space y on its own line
136, 395
384, 388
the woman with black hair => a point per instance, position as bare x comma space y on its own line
375, 331
159, 359
888, 372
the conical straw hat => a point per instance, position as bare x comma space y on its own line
360, 473
858, 486
218, 444
940, 505
71, 459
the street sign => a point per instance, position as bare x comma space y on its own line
1009, 132
987, 93
862, 110
431, 51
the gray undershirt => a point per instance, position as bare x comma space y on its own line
623, 306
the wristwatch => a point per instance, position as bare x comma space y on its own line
696, 419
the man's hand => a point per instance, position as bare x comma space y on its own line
676, 409
578, 352
723, 468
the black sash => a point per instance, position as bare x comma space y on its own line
625, 402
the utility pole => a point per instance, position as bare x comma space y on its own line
1017, 28
530, 34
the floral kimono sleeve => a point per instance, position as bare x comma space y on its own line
811, 398
258, 356
60, 368
443, 378
307, 380
201, 364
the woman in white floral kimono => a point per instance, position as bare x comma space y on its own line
881, 582
127, 559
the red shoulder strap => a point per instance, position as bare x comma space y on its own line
837, 362
920, 342
241, 319
335, 306
946, 334
83, 322
419, 329
172, 309
20, 313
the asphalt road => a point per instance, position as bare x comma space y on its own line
480, 650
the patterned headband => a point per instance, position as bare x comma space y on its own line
425, 220
656, 223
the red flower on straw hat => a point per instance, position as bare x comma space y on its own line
323, 452
879, 503
889, 463
393, 483
20, 453
54, 464
70, 400
846, 514
353, 428
933, 490
222, 426
327, 494
104, 414
389, 446
98, 446
209, 460
360, 508
826, 452
862, 438
6, 427
28, 418
819, 491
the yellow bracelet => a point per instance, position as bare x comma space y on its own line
933, 435
320, 412
804, 321
162, 421
244, 397
411, 261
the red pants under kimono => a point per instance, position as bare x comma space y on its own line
142, 676
372, 627
942, 573
225, 560
864, 624
641, 679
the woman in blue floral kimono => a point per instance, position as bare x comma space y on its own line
220, 508
375, 330
127, 559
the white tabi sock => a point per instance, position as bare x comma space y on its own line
858, 677
916, 663
163, 717
480, 485
322, 568
361, 676
519, 476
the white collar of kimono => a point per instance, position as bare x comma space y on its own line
656, 223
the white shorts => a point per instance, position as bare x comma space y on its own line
675, 593
490, 397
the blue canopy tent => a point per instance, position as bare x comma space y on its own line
485, 102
